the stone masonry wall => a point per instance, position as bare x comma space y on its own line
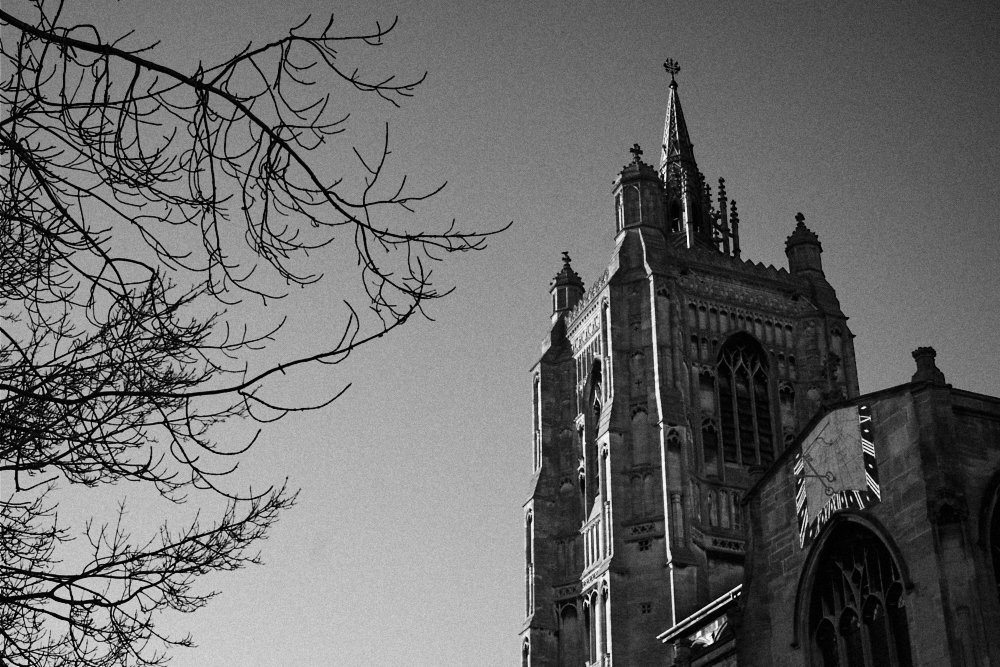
938, 551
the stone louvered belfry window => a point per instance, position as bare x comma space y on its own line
744, 402
857, 615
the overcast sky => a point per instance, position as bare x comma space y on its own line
878, 123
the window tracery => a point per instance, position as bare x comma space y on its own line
744, 402
857, 616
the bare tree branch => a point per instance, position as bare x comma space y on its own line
141, 204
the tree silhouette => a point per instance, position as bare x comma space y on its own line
139, 203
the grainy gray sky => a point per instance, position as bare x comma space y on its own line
877, 120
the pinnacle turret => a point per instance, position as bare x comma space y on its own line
801, 233
927, 370
638, 193
566, 288
803, 249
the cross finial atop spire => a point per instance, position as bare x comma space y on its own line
636, 152
672, 67
799, 218
565, 257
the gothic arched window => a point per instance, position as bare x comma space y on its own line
744, 402
856, 613
570, 636
529, 564
536, 412
593, 400
596, 396
710, 446
706, 392
786, 403
674, 215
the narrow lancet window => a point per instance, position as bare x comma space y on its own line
529, 564
710, 447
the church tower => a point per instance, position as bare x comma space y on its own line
661, 391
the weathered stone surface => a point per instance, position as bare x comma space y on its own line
671, 404
938, 450
635, 517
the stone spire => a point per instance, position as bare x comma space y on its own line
688, 209
677, 147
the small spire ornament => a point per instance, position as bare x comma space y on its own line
636, 152
672, 67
